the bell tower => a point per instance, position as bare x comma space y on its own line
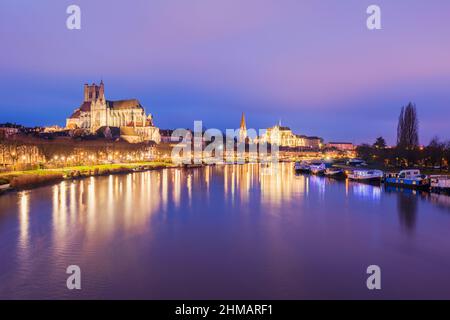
94, 92
99, 113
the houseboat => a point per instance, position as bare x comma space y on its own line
412, 179
302, 167
366, 176
318, 168
440, 184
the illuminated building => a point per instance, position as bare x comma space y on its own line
129, 115
284, 137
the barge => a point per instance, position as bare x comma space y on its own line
411, 179
440, 184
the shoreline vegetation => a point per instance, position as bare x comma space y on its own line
29, 179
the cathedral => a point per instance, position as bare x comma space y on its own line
129, 115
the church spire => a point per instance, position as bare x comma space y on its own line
242, 130
243, 126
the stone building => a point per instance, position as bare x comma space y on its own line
342, 146
284, 137
129, 115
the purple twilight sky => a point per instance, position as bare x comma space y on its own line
312, 64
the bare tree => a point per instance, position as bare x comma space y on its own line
408, 128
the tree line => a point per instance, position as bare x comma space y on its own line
407, 153
25, 152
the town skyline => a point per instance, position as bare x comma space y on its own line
288, 123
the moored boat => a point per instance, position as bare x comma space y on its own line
336, 173
317, 168
302, 167
192, 165
4, 186
366, 175
411, 179
440, 184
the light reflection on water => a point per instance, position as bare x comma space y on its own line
366, 191
237, 231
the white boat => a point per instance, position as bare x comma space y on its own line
440, 183
4, 187
318, 168
302, 167
366, 175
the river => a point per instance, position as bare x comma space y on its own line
223, 232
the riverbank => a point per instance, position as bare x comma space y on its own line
425, 171
23, 180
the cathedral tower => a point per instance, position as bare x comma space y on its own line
94, 92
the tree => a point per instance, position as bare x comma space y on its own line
365, 151
435, 152
380, 143
3, 152
447, 154
408, 128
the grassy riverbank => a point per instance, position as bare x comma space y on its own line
31, 178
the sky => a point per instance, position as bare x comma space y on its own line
311, 64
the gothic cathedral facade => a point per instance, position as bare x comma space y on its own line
129, 115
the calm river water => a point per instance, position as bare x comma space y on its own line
225, 232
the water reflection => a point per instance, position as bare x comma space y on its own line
154, 230
407, 210
24, 219
319, 185
367, 191
176, 187
240, 178
280, 183
189, 188
165, 188
441, 200
102, 205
